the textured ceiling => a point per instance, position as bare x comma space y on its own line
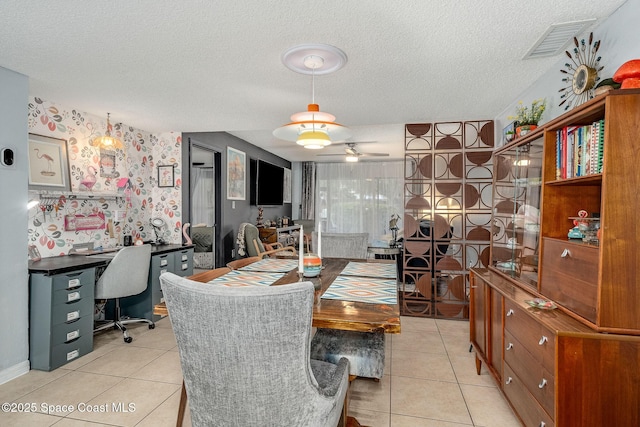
190, 65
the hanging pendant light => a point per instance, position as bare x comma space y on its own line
313, 129
107, 141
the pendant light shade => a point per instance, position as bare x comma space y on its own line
107, 141
313, 129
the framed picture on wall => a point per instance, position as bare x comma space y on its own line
48, 163
236, 174
166, 176
286, 186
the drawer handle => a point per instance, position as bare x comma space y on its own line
510, 346
73, 296
185, 257
510, 312
73, 335
73, 354
543, 340
566, 253
185, 266
73, 315
542, 383
508, 381
542, 424
164, 270
73, 283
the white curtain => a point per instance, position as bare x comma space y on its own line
359, 197
202, 201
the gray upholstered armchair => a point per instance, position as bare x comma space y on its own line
245, 355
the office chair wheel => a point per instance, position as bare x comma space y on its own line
128, 339
152, 325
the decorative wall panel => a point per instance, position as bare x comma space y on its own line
447, 214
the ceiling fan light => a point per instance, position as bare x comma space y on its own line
313, 139
351, 158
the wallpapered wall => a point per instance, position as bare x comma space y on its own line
140, 198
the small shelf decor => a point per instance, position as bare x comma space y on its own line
528, 117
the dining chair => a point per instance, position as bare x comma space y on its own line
255, 247
253, 367
126, 275
342, 245
242, 262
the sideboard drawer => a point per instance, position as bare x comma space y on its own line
538, 380
570, 275
537, 339
526, 406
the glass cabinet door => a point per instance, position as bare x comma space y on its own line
516, 211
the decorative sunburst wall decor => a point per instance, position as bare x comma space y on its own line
581, 74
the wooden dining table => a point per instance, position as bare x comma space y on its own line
329, 313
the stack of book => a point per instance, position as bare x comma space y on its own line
579, 150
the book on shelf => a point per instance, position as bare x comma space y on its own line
579, 150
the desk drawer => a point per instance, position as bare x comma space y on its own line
523, 402
570, 276
66, 296
537, 339
68, 332
73, 279
67, 352
538, 381
67, 313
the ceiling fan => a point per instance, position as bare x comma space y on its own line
352, 155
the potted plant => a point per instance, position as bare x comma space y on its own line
527, 117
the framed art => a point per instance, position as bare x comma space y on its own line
236, 174
48, 163
166, 176
286, 186
509, 133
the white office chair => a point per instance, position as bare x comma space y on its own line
125, 275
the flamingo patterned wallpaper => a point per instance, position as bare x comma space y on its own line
113, 193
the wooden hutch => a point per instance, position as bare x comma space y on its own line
578, 364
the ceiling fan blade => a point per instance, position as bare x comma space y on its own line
374, 154
335, 155
351, 151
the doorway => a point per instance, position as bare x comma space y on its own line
203, 189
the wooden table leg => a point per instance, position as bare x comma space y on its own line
182, 407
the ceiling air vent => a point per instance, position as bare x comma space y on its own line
556, 38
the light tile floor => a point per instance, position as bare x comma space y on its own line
429, 381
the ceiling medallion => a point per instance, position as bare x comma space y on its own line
581, 74
313, 129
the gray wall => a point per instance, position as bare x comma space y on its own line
232, 217
14, 296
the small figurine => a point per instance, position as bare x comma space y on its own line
259, 219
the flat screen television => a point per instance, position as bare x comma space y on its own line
269, 183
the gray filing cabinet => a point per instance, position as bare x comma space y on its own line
61, 317
179, 262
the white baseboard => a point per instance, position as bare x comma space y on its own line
14, 371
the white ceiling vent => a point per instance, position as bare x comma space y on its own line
556, 38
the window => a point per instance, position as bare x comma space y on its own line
359, 198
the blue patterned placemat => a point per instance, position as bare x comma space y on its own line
363, 289
238, 278
370, 269
272, 265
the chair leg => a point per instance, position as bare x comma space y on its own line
182, 406
120, 323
